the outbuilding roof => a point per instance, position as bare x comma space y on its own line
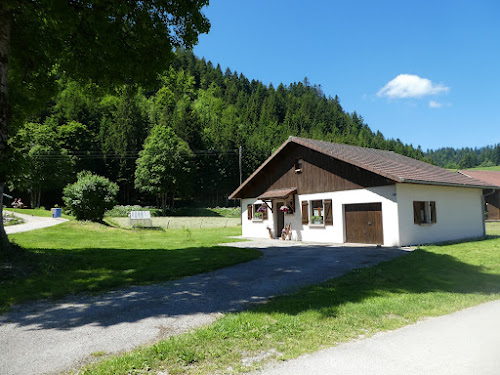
389, 164
490, 177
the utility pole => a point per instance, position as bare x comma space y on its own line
239, 160
240, 151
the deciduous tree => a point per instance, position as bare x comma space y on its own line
164, 166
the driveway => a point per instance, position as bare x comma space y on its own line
466, 342
48, 337
32, 222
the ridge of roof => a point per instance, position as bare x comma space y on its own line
388, 164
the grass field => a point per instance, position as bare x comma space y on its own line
87, 257
231, 212
180, 222
494, 168
431, 281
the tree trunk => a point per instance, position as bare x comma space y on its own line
35, 197
5, 246
164, 204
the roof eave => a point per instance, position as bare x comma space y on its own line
422, 182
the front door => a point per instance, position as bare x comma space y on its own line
280, 219
363, 223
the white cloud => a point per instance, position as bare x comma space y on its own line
434, 104
411, 86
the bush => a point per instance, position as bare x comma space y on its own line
90, 196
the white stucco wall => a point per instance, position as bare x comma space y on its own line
459, 213
255, 228
329, 233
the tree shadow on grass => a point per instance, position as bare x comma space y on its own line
419, 273
243, 285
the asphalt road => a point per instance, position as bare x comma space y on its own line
47, 337
463, 343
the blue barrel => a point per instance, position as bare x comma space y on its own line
56, 212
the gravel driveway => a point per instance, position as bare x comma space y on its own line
32, 222
48, 337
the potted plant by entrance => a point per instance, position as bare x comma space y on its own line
316, 219
258, 215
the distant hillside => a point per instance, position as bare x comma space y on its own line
465, 158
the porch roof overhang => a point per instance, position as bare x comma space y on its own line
277, 194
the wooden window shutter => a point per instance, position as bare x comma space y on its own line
249, 211
264, 214
305, 212
433, 212
328, 212
416, 213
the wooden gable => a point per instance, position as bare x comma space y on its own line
318, 173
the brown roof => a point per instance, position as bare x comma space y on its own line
277, 194
490, 177
388, 164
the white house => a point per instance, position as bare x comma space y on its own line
335, 193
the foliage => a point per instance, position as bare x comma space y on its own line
78, 257
432, 281
90, 196
106, 42
164, 165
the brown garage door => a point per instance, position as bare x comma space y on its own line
363, 223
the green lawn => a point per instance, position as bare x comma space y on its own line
78, 257
430, 281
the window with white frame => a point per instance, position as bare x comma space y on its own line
257, 211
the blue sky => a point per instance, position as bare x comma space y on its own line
426, 72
